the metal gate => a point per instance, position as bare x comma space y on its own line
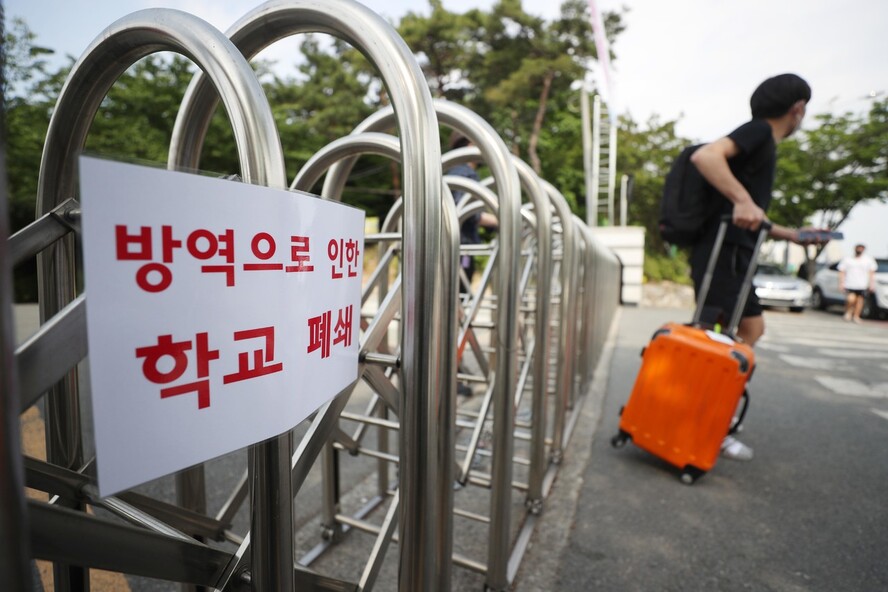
528, 333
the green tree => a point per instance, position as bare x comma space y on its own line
646, 152
531, 72
333, 93
445, 43
135, 120
518, 72
830, 168
29, 92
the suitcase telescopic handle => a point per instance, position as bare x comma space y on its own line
726, 219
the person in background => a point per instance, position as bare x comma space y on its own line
857, 276
741, 168
469, 229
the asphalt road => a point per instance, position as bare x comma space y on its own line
808, 513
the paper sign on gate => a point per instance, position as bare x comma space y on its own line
219, 314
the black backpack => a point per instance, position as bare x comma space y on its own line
687, 201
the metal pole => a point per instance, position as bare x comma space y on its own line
596, 158
330, 471
588, 169
624, 188
589, 322
191, 494
538, 461
271, 515
565, 371
15, 547
611, 172
578, 320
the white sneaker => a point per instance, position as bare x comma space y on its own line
735, 449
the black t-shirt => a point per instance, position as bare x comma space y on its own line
754, 166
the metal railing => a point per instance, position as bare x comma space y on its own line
534, 324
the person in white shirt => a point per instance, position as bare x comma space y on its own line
857, 276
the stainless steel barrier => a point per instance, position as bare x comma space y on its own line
548, 285
540, 350
535, 355
425, 468
497, 156
567, 321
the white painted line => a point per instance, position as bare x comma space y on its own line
851, 387
868, 354
880, 413
832, 342
772, 347
838, 337
816, 363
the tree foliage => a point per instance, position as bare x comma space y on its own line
831, 167
29, 93
514, 69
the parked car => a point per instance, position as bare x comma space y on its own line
826, 291
775, 286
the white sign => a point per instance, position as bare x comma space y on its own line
219, 314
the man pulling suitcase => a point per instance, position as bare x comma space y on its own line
739, 170
740, 167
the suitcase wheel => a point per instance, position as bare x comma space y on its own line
620, 439
690, 474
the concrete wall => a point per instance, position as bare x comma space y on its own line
628, 243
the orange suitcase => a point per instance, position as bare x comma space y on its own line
689, 387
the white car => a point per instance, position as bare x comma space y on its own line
774, 286
826, 290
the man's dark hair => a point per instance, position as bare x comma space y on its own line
776, 95
457, 140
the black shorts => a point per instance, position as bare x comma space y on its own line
858, 292
727, 281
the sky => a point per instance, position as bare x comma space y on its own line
696, 61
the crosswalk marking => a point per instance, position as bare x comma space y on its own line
853, 388
867, 354
848, 360
880, 413
837, 342
766, 345
815, 363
